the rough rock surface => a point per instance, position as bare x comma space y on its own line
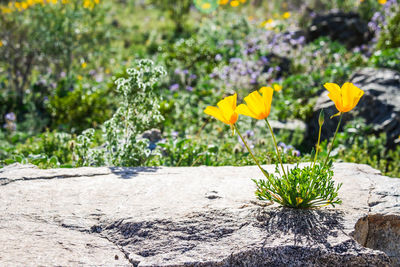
347, 28
379, 106
201, 216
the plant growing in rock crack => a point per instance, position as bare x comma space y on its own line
308, 187
138, 112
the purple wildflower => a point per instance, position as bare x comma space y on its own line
174, 87
10, 116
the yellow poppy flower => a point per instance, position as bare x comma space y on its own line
277, 87
226, 110
382, 2
234, 3
286, 15
223, 2
258, 107
206, 5
345, 98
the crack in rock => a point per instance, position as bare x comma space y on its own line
6, 181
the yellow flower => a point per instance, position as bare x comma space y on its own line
6, 10
17, 5
24, 5
277, 87
1, 43
243, 1
268, 24
382, 2
286, 15
79, 77
299, 200
226, 110
345, 98
88, 4
258, 107
84, 65
234, 3
206, 6
223, 2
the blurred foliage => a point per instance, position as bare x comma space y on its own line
177, 11
59, 62
78, 107
388, 58
390, 34
51, 38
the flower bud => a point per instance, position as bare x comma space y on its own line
321, 118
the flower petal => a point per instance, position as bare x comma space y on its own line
267, 93
244, 110
347, 96
357, 93
335, 95
255, 103
216, 113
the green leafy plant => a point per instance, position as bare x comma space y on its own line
51, 39
387, 58
138, 112
390, 34
304, 188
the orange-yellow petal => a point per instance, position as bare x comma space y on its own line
244, 110
233, 118
216, 113
356, 94
335, 95
228, 104
347, 96
267, 93
255, 103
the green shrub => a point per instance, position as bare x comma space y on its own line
390, 34
138, 111
303, 188
50, 39
387, 58
177, 11
78, 107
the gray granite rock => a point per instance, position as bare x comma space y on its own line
379, 106
347, 28
201, 216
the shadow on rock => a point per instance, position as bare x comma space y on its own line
128, 173
308, 227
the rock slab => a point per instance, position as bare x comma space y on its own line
200, 216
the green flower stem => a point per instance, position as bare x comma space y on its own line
317, 147
248, 148
254, 158
333, 140
276, 147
